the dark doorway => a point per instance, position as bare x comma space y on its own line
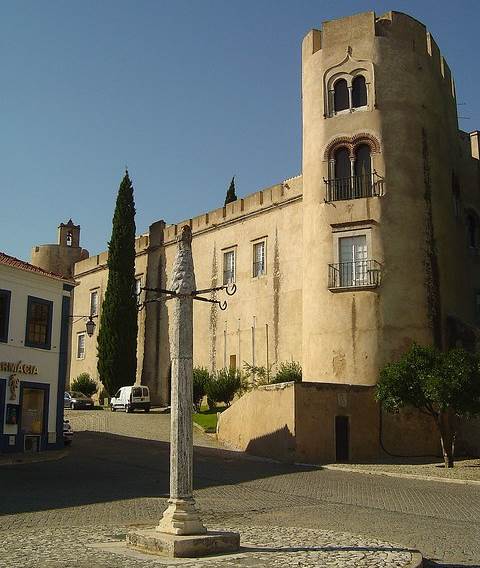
342, 439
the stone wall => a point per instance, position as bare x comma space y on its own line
262, 422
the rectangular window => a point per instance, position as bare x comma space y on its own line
81, 346
94, 303
39, 323
138, 287
259, 267
353, 261
229, 267
4, 314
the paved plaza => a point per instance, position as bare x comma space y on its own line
61, 513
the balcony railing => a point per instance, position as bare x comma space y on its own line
355, 274
354, 187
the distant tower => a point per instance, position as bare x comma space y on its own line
60, 258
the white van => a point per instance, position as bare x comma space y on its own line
130, 398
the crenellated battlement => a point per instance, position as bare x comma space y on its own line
255, 203
396, 26
252, 204
99, 261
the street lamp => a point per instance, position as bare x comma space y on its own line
90, 326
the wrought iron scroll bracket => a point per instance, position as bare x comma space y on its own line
230, 290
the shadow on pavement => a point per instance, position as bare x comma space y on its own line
103, 467
432, 564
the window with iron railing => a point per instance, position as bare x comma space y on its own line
354, 274
353, 187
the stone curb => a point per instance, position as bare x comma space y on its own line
417, 560
402, 475
23, 459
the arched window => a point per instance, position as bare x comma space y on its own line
341, 187
340, 96
363, 171
363, 161
359, 92
472, 230
69, 239
342, 163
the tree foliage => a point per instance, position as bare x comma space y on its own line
288, 371
231, 195
223, 386
201, 378
85, 384
117, 337
444, 385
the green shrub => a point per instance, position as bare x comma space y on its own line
201, 378
223, 386
255, 377
84, 383
288, 371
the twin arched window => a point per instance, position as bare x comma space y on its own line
351, 173
356, 164
347, 97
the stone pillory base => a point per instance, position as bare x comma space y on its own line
181, 531
183, 546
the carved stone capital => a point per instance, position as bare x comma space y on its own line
181, 518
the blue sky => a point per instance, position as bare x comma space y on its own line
186, 93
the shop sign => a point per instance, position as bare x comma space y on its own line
24, 368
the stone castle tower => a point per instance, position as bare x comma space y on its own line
390, 194
61, 257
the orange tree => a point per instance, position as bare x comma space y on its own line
443, 385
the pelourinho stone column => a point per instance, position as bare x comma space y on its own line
180, 517
181, 532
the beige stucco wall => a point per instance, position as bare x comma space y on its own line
410, 93
22, 284
92, 274
57, 258
296, 422
270, 427
262, 324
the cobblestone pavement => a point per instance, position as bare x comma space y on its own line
108, 482
103, 547
153, 425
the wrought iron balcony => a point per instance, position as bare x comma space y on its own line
355, 274
354, 187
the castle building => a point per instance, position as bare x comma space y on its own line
375, 245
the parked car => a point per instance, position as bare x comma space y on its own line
76, 400
130, 398
67, 432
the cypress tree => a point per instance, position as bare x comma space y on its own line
117, 336
231, 196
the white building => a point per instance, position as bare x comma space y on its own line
34, 323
